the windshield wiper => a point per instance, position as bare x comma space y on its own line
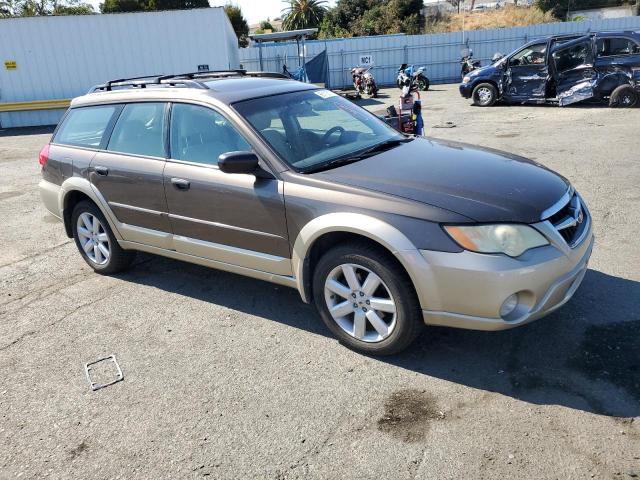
340, 161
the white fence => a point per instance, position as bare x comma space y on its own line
440, 53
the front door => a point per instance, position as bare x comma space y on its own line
526, 74
573, 70
232, 218
128, 174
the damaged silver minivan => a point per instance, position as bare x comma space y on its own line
562, 70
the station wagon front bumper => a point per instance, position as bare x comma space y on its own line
470, 288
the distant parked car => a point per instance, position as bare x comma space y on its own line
562, 70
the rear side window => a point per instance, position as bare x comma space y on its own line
573, 57
139, 130
201, 135
608, 47
85, 127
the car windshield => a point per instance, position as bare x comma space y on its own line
316, 129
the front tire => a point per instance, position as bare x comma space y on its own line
366, 299
624, 96
423, 84
484, 95
96, 242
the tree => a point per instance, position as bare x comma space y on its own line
73, 7
8, 8
32, 8
238, 22
265, 27
372, 17
331, 26
118, 6
180, 4
303, 14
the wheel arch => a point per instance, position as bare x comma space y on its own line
76, 189
609, 83
331, 229
490, 81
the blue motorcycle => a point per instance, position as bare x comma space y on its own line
413, 78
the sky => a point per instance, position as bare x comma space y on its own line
253, 10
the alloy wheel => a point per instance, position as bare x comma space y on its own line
360, 303
484, 95
93, 238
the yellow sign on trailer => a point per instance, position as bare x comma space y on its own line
10, 65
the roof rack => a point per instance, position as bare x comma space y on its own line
144, 81
190, 79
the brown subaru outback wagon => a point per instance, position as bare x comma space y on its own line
290, 183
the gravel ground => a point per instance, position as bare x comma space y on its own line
229, 377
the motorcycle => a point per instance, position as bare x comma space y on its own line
467, 63
412, 79
364, 82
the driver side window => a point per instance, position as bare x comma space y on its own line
531, 55
201, 135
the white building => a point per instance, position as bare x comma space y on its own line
57, 58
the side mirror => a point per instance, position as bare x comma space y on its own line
238, 162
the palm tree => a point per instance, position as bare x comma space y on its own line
301, 14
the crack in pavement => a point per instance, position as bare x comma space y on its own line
64, 317
43, 252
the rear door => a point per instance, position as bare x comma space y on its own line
231, 218
128, 173
573, 70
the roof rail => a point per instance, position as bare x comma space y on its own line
267, 75
144, 81
190, 79
211, 73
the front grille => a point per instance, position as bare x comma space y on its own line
570, 220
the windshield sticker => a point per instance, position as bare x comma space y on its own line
324, 93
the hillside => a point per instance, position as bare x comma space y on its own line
509, 16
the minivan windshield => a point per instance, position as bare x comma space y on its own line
313, 130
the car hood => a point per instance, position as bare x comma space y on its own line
486, 71
482, 184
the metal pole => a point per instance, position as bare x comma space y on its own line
304, 58
260, 55
344, 82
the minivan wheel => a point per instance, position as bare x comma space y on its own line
484, 95
366, 299
623, 96
95, 240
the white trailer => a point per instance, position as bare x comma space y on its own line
46, 60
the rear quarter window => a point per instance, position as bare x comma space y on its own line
609, 47
85, 126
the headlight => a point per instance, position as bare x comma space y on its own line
466, 79
511, 239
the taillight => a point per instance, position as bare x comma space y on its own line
44, 155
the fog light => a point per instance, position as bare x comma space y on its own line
509, 305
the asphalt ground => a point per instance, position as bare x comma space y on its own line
229, 377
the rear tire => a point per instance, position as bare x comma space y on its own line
375, 307
484, 95
96, 242
624, 96
423, 83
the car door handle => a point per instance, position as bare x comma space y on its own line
104, 171
180, 183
